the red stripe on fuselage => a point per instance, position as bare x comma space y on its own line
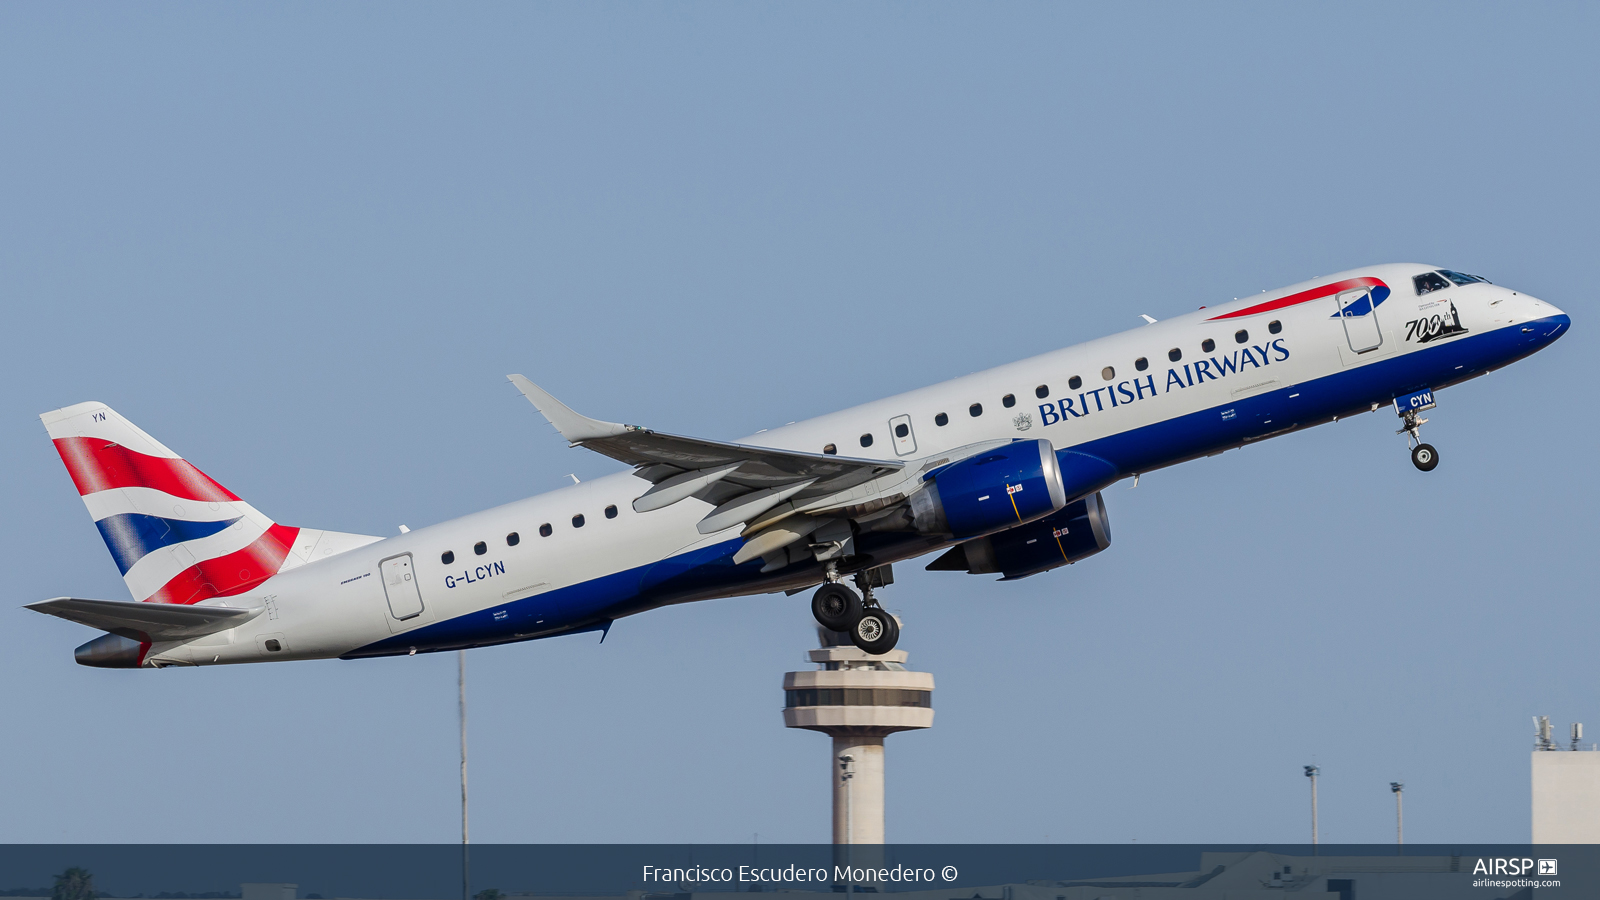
235, 573
1316, 293
96, 464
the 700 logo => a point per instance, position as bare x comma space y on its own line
1432, 328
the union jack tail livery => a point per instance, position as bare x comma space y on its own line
176, 535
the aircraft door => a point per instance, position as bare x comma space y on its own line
905, 440
1360, 320
400, 586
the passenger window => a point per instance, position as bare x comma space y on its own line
1108, 373
1007, 401
1141, 364
480, 548
1174, 354
1042, 391
902, 430
513, 539
941, 420
447, 557
866, 439
611, 511
273, 646
577, 521
1074, 382
1241, 337
830, 449
1208, 345
1429, 282
1274, 326
545, 530
976, 410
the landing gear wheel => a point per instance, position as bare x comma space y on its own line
1424, 457
876, 632
836, 607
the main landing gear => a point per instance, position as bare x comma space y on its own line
1423, 456
837, 608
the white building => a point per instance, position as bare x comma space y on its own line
1566, 789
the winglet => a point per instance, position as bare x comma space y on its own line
574, 427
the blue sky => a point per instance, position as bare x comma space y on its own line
303, 244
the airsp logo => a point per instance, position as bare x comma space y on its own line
1023, 421
1512, 866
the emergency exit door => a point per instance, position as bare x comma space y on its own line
1360, 320
400, 586
905, 441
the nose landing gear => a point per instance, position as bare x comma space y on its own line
1423, 456
837, 608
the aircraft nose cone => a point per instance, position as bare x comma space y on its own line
1551, 327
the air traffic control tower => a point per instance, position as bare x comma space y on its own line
857, 700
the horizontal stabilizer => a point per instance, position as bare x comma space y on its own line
148, 622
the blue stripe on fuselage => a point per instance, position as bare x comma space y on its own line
1341, 394
129, 536
577, 607
588, 605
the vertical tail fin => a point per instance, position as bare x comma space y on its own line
176, 535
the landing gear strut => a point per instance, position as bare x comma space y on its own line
876, 631
837, 608
1423, 456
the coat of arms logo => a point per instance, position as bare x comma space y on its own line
1023, 421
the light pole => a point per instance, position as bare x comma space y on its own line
1311, 773
461, 697
1399, 813
845, 775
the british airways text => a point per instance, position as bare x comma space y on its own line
1187, 376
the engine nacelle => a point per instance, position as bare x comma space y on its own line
996, 489
1075, 533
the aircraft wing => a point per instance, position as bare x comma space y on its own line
741, 480
145, 621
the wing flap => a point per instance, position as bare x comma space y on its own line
145, 621
747, 506
681, 487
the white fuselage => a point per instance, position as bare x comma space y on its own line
1275, 379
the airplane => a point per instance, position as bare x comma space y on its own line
1002, 470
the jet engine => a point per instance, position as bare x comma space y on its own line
1076, 532
1006, 486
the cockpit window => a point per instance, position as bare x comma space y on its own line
1427, 284
1463, 278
